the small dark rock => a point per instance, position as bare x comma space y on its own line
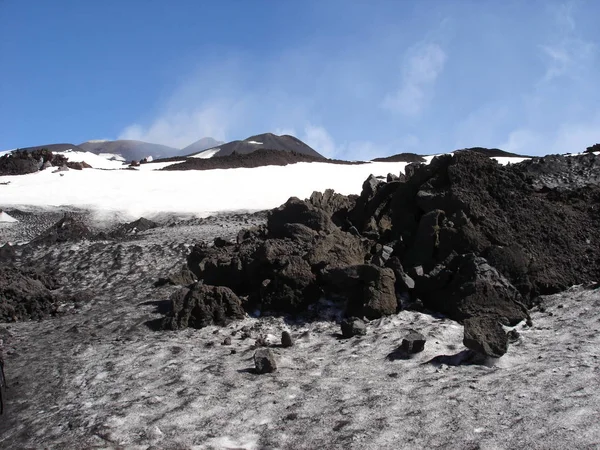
264, 361
286, 339
261, 342
413, 342
513, 336
226, 341
353, 326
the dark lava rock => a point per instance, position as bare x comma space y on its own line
226, 341
7, 253
404, 282
286, 339
24, 162
25, 296
337, 249
181, 277
202, 305
486, 336
402, 157
69, 228
353, 326
264, 361
298, 211
593, 148
513, 336
562, 172
413, 342
78, 165
468, 286
369, 289
468, 238
337, 206
138, 226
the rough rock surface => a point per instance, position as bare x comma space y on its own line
368, 288
413, 342
264, 361
25, 296
201, 305
24, 162
486, 336
464, 236
69, 228
286, 339
353, 326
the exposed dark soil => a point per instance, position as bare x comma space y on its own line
493, 152
402, 157
258, 158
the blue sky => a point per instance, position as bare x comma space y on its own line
352, 78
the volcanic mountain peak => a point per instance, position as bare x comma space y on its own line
267, 141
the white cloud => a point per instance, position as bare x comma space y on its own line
421, 70
567, 138
319, 139
566, 54
180, 128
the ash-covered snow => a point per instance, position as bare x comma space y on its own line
96, 161
98, 376
6, 218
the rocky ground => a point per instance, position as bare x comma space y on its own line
101, 368
96, 376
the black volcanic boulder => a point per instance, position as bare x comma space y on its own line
484, 204
201, 305
264, 361
298, 211
593, 148
137, 226
24, 162
368, 288
353, 326
25, 295
485, 336
69, 228
337, 249
337, 206
181, 277
467, 286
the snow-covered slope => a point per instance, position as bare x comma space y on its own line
102, 161
5, 218
148, 191
206, 153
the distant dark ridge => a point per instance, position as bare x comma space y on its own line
258, 158
266, 141
593, 148
402, 157
493, 152
52, 147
